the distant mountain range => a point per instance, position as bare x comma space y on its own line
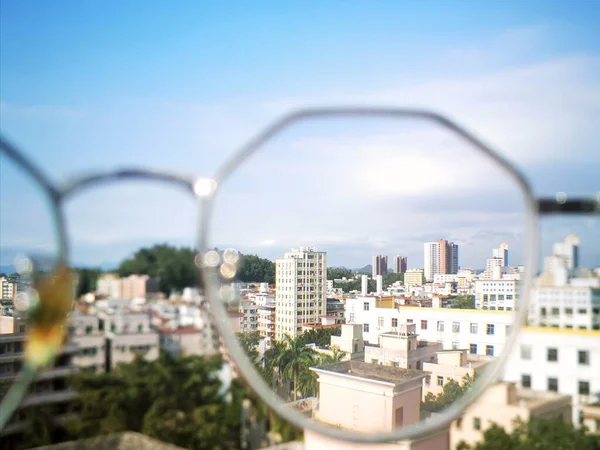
367, 269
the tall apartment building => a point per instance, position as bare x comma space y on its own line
380, 265
8, 288
301, 296
440, 257
568, 251
400, 264
501, 253
249, 319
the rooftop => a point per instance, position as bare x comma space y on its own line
375, 372
180, 330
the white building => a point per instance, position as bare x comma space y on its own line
482, 332
401, 348
186, 341
414, 277
300, 290
249, 318
567, 306
109, 284
566, 361
500, 295
84, 331
128, 334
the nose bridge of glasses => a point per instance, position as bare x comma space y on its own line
563, 204
196, 186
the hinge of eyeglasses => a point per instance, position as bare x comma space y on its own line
568, 206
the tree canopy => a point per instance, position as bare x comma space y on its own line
538, 434
87, 280
339, 273
255, 268
451, 392
176, 400
463, 302
174, 267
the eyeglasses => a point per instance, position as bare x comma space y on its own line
370, 227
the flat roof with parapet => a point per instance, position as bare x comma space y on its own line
374, 372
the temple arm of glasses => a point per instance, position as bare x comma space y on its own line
568, 206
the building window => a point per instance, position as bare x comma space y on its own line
474, 328
88, 330
395, 364
352, 317
525, 381
582, 311
366, 306
140, 328
489, 350
584, 388
490, 328
366, 327
394, 323
555, 311
553, 354
440, 326
459, 423
440, 381
476, 423
374, 361
423, 324
526, 352
380, 322
456, 327
473, 349
455, 346
113, 328
553, 384
569, 311
543, 312
428, 380
583, 357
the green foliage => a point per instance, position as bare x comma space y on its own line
390, 278
451, 392
249, 342
355, 285
338, 273
87, 280
463, 302
254, 268
296, 358
179, 401
319, 336
538, 434
174, 267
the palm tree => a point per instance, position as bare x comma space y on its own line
336, 356
291, 362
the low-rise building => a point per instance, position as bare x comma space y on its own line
566, 361
502, 404
187, 341
50, 387
414, 277
496, 294
482, 332
128, 334
84, 331
451, 365
369, 398
401, 348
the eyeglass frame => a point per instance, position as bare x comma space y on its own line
534, 207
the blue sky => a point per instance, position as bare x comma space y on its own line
95, 85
